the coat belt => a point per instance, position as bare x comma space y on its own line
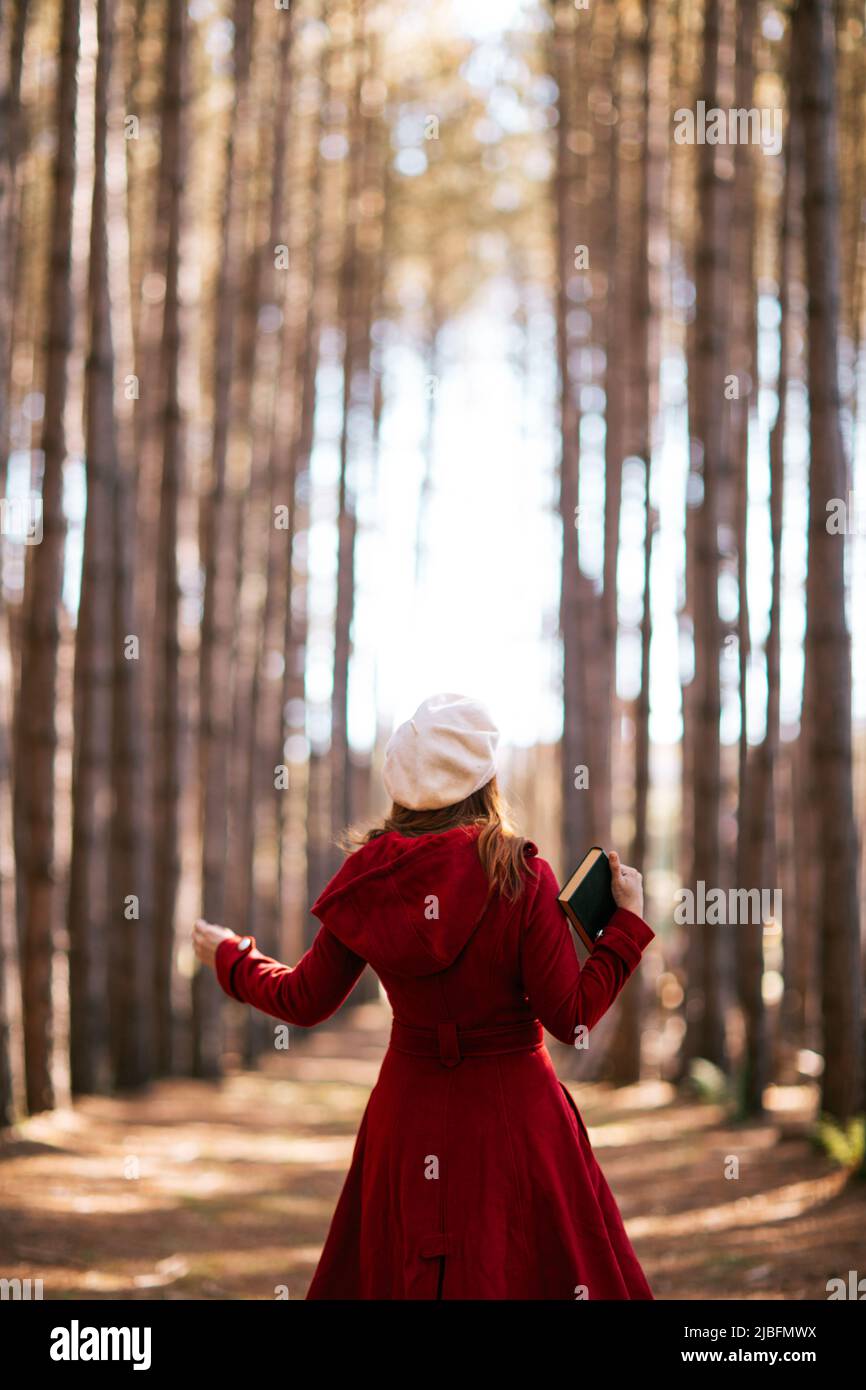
451, 1044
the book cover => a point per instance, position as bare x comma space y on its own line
587, 899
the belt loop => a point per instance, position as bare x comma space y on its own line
449, 1052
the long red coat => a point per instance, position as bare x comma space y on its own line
472, 1174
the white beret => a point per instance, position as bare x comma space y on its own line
444, 753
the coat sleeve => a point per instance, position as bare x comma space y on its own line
303, 994
563, 994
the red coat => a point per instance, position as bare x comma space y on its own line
472, 1174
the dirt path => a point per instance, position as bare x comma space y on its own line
225, 1190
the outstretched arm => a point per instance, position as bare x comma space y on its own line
304, 994
563, 994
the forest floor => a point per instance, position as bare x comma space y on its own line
225, 1190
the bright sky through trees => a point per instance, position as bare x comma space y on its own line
482, 619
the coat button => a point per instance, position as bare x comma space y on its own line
245, 943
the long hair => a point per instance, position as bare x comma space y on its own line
500, 848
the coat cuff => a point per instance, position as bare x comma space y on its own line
229, 953
627, 934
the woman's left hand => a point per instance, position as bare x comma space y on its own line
206, 938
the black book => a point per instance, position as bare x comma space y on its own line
587, 899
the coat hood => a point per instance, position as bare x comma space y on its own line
409, 904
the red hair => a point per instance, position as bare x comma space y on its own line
501, 850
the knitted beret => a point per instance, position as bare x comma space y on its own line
444, 753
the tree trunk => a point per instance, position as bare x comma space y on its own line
753, 858
166, 646
342, 812
131, 953
622, 251
220, 561
12, 28
256, 834
828, 646
36, 734
625, 1060
319, 857
705, 1034
89, 919
576, 809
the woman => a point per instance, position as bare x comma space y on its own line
472, 1174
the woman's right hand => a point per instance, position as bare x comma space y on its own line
626, 885
206, 938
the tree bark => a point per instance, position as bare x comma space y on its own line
131, 947
165, 703
626, 1049
753, 859
36, 735
828, 646
91, 782
220, 566
256, 833
576, 808
705, 1033
12, 29
349, 318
